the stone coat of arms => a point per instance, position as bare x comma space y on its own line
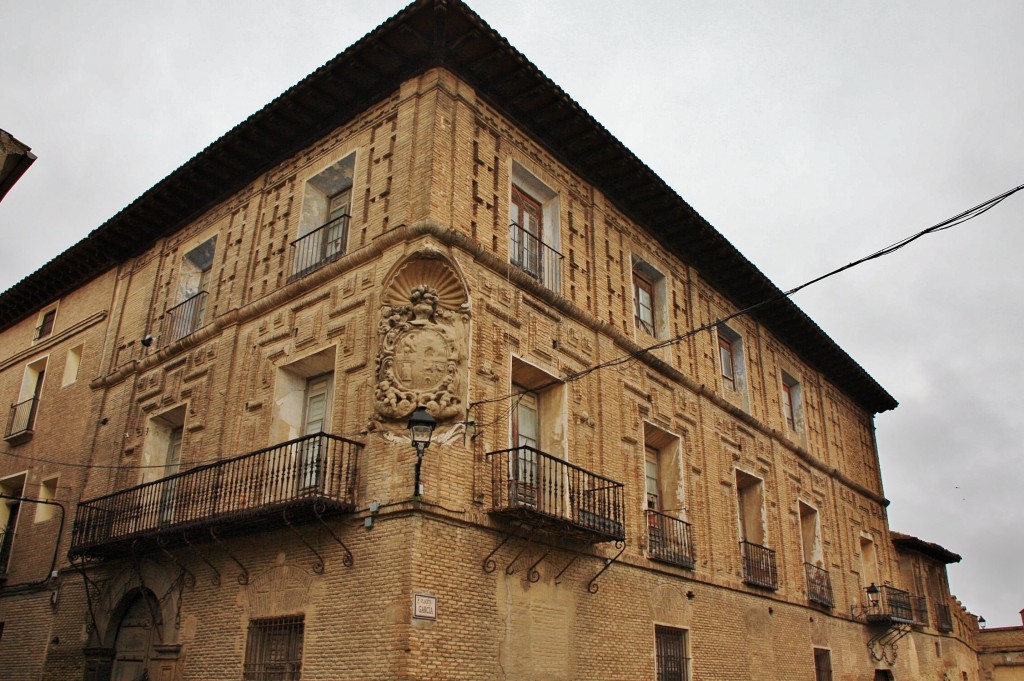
419, 362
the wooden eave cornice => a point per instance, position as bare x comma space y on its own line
426, 34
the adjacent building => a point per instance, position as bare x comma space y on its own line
646, 462
15, 159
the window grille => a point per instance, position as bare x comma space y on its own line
670, 647
822, 664
274, 649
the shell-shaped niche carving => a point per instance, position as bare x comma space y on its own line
433, 273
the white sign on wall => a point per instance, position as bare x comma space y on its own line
424, 607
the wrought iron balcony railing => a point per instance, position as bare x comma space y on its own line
184, 319
889, 605
819, 585
669, 540
545, 491
311, 475
22, 421
919, 604
324, 244
759, 566
943, 618
536, 258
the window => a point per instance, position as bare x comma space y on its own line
10, 509
315, 420
649, 292
326, 214
868, 564
725, 354
750, 492
22, 420
643, 302
669, 536
810, 533
537, 479
759, 568
653, 484
822, 664
161, 460
730, 359
525, 438
527, 232
46, 320
273, 651
47, 492
819, 582
533, 228
792, 402
670, 654
193, 291
303, 397
72, 363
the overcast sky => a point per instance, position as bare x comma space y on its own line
809, 133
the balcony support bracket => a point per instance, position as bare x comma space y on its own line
532, 573
90, 588
510, 568
575, 556
489, 563
188, 576
318, 509
883, 645
215, 580
318, 564
243, 576
592, 586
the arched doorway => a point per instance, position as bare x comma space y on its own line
136, 634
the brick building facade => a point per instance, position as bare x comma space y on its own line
627, 480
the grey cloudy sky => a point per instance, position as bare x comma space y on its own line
809, 133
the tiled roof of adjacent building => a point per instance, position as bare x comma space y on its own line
425, 34
906, 541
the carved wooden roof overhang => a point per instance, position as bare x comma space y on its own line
909, 542
425, 34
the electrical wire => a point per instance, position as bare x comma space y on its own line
948, 223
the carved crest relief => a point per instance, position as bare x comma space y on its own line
423, 333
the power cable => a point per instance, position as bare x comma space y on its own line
948, 223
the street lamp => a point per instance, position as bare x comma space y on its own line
873, 592
421, 428
982, 622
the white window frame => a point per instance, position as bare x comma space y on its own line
659, 297
550, 266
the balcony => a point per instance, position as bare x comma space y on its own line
324, 244
22, 421
943, 618
889, 606
552, 495
669, 540
309, 476
819, 585
183, 319
759, 566
536, 258
919, 604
